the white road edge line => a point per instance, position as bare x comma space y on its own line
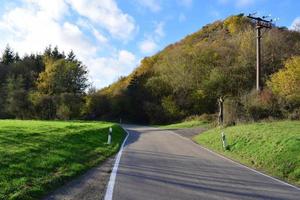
239, 164
112, 179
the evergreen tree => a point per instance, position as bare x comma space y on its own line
8, 56
17, 103
17, 58
71, 56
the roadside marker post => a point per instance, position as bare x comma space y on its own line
224, 141
109, 135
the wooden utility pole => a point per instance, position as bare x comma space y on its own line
260, 22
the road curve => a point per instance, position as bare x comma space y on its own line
158, 164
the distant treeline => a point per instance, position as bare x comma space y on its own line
183, 80
47, 86
188, 77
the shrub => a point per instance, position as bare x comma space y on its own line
171, 109
63, 112
233, 111
261, 105
295, 114
204, 117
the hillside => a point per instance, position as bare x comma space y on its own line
187, 77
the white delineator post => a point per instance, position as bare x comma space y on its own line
224, 141
109, 135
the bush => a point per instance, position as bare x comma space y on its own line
44, 105
171, 109
295, 114
209, 118
69, 106
233, 111
261, 105
63, 112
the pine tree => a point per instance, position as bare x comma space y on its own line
8, 56
71, 56
17, 57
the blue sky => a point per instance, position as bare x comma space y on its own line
112, 36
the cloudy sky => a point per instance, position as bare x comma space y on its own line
112, 36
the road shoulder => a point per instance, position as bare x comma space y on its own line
89, 186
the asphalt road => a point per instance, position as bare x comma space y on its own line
158, 164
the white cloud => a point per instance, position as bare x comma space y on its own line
148, 46
106, 14
84, 24
296, 24
30, 30
54, 9
109, 69
99, 36
126, 58
34, 24
152, 5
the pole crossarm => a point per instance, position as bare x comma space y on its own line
261, 22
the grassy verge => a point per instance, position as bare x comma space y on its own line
186, 124
272, 147
38, 156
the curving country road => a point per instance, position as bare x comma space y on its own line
158, 164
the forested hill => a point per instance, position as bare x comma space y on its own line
187, 77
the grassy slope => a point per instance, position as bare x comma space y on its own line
271, 147
186, 124
37, 156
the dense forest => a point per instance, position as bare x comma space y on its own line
183, 80
47, 86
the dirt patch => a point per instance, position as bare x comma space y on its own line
89, 186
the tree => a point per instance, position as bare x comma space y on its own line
54, 53
69, 106
296, 25
8, 56
71, 56
44, 105
17, 103
62, 76
17, 58
286, 82
236, 23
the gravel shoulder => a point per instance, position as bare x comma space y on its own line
89, 186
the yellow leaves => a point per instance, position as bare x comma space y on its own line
286, 82
234, 23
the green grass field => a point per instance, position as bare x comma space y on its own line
186, 124
38, 156
273, 147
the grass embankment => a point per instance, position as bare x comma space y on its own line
38, 156
186, 124
272, 147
